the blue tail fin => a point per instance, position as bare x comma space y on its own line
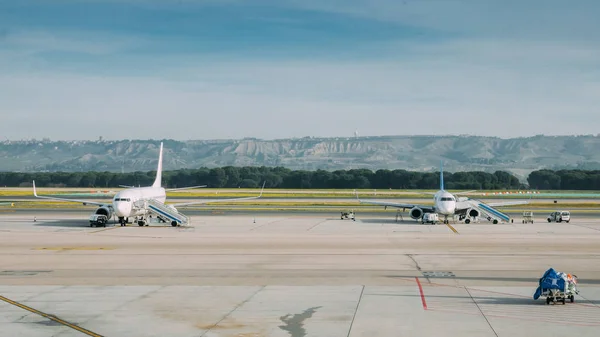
441, 175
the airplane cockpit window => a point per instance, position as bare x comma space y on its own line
447, 199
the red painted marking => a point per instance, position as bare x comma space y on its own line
422, 295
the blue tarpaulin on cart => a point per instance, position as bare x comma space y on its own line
550, 280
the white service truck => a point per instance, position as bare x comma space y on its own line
431, 218
559, 216
97, 220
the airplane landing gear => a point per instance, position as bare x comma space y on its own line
122, 221
141, 221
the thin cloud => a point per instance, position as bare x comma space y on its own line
384, 67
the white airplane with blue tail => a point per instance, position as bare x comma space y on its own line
448, 205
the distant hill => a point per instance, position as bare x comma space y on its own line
459, 153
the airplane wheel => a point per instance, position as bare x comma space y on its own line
467, 221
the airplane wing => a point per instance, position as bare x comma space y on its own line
464, 192
184, 188
394, 204
457, 193
85, 202
218, 200
507, 203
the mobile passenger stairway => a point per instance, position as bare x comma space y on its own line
488, 212
167, 214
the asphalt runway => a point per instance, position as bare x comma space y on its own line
290, 274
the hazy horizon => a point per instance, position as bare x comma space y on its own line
209, 70
155, 139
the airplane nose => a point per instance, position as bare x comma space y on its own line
447, 208
122, 209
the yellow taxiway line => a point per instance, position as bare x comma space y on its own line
452, 228
51, 317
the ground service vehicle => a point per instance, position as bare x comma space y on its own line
429, 218
97, 220
527, 217
347, 215
560, 216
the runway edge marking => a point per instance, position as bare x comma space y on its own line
51, 317
422, 294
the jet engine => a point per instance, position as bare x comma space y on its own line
416, 213
472, 212
104, 210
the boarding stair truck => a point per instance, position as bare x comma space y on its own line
166, 213
488, 212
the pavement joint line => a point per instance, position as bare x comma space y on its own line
308, 230
583, 226
589, 302
362, 291
481, 311
268, 223
232, 311
50, 317
410, 256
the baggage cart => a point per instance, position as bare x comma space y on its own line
556, 287
347, 214
528, 217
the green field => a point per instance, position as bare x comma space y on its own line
311, 205
291, 193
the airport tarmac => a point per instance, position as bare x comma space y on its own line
288, 274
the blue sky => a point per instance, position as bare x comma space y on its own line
204, 69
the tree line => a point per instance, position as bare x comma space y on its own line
565, 180
274, 177
279, 177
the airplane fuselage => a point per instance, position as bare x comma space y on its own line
127, 203
444, 203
